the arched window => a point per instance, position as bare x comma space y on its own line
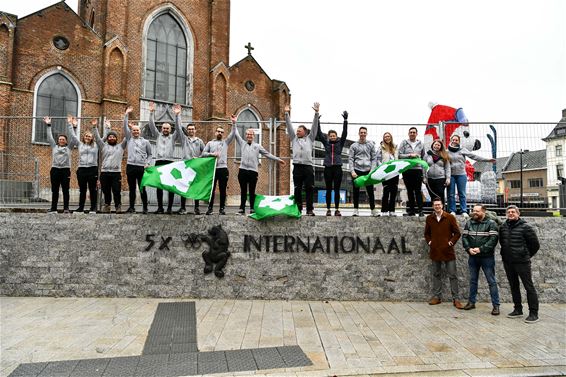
56, 96
166, 61
250, 121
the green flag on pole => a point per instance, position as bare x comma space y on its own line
270, 206
190, 178
388, 170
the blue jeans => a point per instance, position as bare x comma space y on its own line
458, 181
488, 267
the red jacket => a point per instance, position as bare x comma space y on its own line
439, 233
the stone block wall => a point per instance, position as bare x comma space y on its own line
312, 258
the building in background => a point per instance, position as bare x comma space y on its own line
556, 160
534, 179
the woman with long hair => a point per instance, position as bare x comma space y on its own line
438, 174
87, 172
387, 151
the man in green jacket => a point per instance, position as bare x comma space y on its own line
479, 239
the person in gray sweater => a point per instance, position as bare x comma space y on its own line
219, 148
303, 171
60, 172
362, 159
192, 148
437, 177
413, 178
458, 177
139, 158
249, 161
164, 151
111, 153
87, 172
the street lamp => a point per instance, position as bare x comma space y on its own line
521, 153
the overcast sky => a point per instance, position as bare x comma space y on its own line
384, 61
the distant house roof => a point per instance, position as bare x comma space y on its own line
532, 160
483, 166
559, 131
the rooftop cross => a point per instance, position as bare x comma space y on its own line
249, 48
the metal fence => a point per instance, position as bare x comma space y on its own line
25, 160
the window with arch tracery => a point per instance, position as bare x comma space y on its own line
249, 120
56, 97
166, 61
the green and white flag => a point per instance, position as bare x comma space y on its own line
388, 170
190, 178
270, 206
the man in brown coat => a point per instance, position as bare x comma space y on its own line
441, 234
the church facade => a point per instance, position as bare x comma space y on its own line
119, 53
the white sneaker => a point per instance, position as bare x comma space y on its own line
453, 213
355, 213
394, 214
374, 212
466, 216
384, 214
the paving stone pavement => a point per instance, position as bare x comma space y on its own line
340, 338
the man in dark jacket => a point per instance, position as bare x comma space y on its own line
441, 234
519, 243
479, 239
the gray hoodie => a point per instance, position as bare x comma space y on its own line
302, 146
437, 170
61, 156
139, 149
362, 156
111, 154
405, 149
191, 147
88, 153
251, 152
164, 145
221, 146
458, 159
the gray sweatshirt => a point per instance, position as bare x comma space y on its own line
251, 152
88, 153
362, 156
405, 149
164, 145
302, 146
458, 159
111, 154
437, 170
61, 156
221, 146
191, 147
139, 149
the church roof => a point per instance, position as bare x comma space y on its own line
559, 131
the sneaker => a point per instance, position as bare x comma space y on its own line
374, 212
434, 301
469, 306
119, 209
252, 211
421, 214
106, 208
169, 211
337, 213
92, 212
221, 211
310, 213
131, 210
197, 211
532, 318
51, 211
453, 213
355, 213
80, 209
516, 313
393, 214
144, 211
457, 304
159, 211
209, 211
466, 216
181, 211
242, 211
66, 211
328, 213
495, 310
384, 214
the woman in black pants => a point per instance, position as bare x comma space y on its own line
333, 164
437, 177
87, 172
387, 151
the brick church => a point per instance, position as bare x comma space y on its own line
116, 53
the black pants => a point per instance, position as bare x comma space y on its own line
135, 175
184, 203
356, 191
60, 177
436, 188
247, 179
303, 175
159, 192
111, 184
390, 188
333, 178
413, 179
221, 176
87, 177
516, 271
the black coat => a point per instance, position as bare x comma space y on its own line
518, 240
